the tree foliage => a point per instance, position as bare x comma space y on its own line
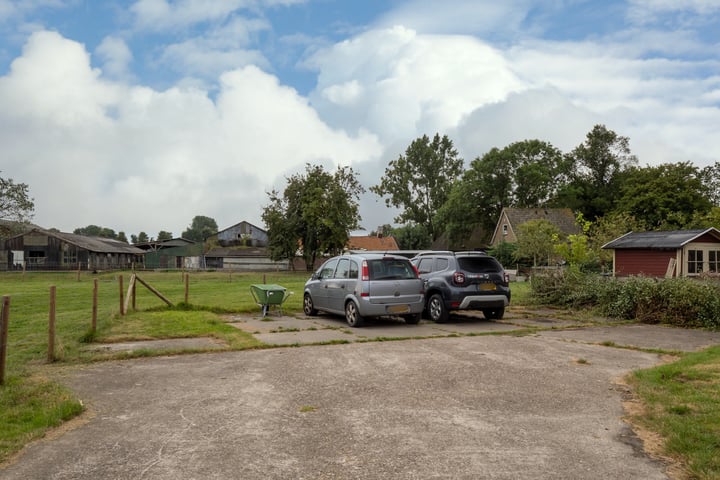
419, 182
96, 231
664, 197
596, 164
16, 206
201, 228
164, 236
315, 213
412, 237
524, 174
536, 240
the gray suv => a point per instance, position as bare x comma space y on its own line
462, 281
366, 285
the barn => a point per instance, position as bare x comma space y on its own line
39, 249
678, 253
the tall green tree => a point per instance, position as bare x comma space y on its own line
201, 228
142, 237
164, 236
122, 237
16, 206
524, 174
419, 182
665, 196
597, 163
315, 213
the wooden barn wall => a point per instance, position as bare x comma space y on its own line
651, 263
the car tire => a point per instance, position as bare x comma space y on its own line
494, 313
309, 306
352, 315
413, 319
436, 309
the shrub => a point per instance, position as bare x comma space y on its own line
678, 301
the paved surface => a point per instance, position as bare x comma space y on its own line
543, 406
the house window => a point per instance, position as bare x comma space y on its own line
505, 228
714, 261
695, 261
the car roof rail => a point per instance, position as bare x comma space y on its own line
434, 252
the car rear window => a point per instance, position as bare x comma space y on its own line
479, 264
390, 269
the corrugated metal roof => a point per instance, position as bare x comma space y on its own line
661, 240
97, 244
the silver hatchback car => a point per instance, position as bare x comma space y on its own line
366, 285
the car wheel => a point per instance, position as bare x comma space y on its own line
413, 319
436, 309
308, 306
352, 316
494, 313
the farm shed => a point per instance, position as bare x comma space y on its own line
243, 258
39, 249
242, 234
176, 253
511, 218
678, 253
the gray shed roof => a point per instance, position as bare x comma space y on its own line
667, 240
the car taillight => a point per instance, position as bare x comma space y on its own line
459, 278
365, 271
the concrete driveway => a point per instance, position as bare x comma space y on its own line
545, 406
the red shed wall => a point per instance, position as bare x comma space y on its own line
651, 263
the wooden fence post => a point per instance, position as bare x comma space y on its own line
51, 327
122, 304
187, 287
93, 327
4, 319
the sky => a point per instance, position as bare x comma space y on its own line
140, 115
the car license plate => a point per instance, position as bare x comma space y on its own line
486, 286
398, 309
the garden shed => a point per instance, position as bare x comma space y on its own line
678, 253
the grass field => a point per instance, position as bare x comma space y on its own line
31, 402
682, 398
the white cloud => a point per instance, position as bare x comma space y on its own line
133, 158
458, 16
399, 83
116, 57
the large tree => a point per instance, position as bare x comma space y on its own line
597, 163
315, 213
201, 228
524, 174
665, 196
419, 182
164, 236
16, 206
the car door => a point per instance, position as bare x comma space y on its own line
319, 290
338, 287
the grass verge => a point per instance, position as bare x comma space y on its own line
682, 404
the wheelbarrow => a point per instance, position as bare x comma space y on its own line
268, 295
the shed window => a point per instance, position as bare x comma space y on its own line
695, 261
505, 229
714, 261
